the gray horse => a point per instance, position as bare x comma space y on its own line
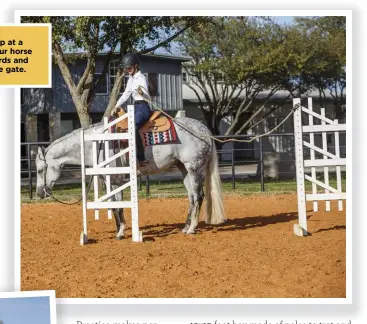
194, 153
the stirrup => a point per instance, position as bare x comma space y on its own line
142, 163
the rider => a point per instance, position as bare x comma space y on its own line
137, 86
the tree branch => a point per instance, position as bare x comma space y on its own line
153, 48
84, 77
103, 74
261, 108
59, 56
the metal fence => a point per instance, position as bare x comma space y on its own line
248, 162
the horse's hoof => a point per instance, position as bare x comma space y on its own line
119, 238
191, 231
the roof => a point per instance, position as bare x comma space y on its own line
169, 56
280, 94
180, 58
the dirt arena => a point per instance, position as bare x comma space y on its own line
255, 254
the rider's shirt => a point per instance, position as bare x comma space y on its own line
138, 79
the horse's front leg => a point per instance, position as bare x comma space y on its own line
119, 216
120, 223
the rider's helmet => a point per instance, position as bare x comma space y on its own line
129, 59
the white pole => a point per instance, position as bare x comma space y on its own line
299, 229
108, 177
84, 237
136, 237
95, 177
326, 169
338, 170
312, 155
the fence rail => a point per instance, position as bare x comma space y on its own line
231, 160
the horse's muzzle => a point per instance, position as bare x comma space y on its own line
40, 193
44, 192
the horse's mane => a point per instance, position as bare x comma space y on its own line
67, 136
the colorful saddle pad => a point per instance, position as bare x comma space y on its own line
156, 131
165, 134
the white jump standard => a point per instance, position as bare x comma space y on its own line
328, 160
106, 165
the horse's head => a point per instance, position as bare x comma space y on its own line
48, 171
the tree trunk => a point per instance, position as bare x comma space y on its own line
79, 99
339, 109
212, 121
83, 113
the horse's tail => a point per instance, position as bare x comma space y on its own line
213, 191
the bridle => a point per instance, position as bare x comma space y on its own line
46, 189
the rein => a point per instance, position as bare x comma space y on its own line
226, 140
45, 187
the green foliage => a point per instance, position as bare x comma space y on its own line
257, 57
247, 52
325, 41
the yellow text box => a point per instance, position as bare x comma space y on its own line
25, 55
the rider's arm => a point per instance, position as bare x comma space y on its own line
127, 93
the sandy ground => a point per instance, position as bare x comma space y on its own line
254, 254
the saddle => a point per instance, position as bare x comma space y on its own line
157, 130
153, 125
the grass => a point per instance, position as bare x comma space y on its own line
176, 189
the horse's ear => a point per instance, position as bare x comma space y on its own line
41, 151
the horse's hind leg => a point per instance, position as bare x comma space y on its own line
196, 181
187, 184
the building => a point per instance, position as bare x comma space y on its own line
47, 114
278, 151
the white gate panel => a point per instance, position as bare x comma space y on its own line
103, 168
328, 160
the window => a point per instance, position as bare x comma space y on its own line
280, 144
274, 121
102, 87
153, 84
152, 79
113, 73
69, 122
66, 127
185, 77
114, 66
43, 124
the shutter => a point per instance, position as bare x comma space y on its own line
153, 84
